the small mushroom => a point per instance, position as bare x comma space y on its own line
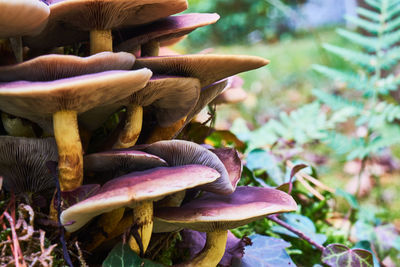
74, 18
22, 163
215, 214
150, 36
137, 190
19, 18
62, 100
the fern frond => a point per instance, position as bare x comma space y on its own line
375, 4
392, 25
364, 24
393, 11
368, 42
383, 86
387, 111
359, 58
336, 102
353, 80
343, 144
369, 14
390, 39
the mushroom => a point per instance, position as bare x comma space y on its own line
99, 17
150, 36
207, 68
62, 100
215, 214
137, 190
233, 93
19, 18
169, 97
22, 163
111, 164
15, 126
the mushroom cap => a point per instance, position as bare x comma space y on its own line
231, 160
231, 96
170, 99
130, 189
34, 100
75, 16
22, 163
127, 160
53, 67
212, 212
163, 30
22, 17
207, 68
180, 152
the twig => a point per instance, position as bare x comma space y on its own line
17, 248
302, 235
309, 187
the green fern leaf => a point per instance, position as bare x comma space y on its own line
359, 58
369, 14
353, 80
375, 4
393, 11
336, 102
368, 42
364, 24
392, 25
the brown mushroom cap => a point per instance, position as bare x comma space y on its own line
212, 212
80, 93
207, 68
127, 160
170, 98
129, 190
72, 17
53, 67
163, 30
22, 163
22, 17
180, 152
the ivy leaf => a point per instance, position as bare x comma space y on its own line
265, 251
337, 255
122, 256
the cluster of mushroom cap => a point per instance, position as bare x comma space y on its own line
64, 94
215, 172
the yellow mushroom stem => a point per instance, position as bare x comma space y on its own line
150, 49
107, 223
70, 158
142, 227
212, 252
165, 133
16, 45
132, 128
100, 41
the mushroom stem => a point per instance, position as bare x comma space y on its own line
107, 222
165, 133
132, 128
143, 225
212, 252
150, 49
100, 41
70, 159
16, 45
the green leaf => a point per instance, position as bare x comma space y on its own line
369, 14
368, 42
348, 197
337, 255
364, 24
265, 251
355, 57
122, 256
261, 159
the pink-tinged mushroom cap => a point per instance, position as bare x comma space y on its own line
23, 163
231, 160
131, 189
212, 212
125, 160
42, 99
207, 68
22, 17
53, 67
163, 30
72, 17
180, 152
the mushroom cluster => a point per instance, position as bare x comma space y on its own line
86, 72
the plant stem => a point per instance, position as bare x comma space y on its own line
302, 235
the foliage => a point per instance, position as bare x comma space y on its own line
122, 255
336, 255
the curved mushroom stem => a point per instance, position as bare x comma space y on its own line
150, 49
165, 133
107, 222
100, 41
143, 225
16, 45
212, 252
132, 128
70, 159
